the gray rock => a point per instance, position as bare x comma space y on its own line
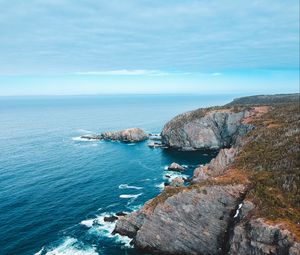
259, 238
191, 222
176, 167
177, 182
91, 137
216, 166
110, 218
198, 129
127, 135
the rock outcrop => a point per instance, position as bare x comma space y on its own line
203, 129
176, 167
216, 167
128, 135
177, 182
260, 238
191, 222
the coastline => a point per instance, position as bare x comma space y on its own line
220, 186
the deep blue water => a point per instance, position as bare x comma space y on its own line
53, 186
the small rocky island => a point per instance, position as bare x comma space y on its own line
130, 135
246, 201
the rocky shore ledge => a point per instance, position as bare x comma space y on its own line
245, 201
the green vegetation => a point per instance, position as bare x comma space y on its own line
271, 160
164, 195
266, 100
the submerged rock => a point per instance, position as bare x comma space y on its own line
121, 214
155, 145
128, 135
110, 218
176, 167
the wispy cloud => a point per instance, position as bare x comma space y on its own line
125, 72
138, 36
216, 74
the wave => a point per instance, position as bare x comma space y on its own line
104, 228
126, 186
130, 196
161, 186
81, 139
70, 246
88, 223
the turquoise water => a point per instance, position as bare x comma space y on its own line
56, 188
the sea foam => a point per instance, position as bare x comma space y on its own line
71, 246
81, 139
104, 228
126, 186
130, 196
88, 223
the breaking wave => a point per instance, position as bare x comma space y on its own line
130, 196
70, 246
126, 186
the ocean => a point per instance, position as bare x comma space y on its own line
56, 188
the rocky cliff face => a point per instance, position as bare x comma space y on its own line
216, 167
260, 238
202, 129
217, 214
127, 135
193, 221
254, 236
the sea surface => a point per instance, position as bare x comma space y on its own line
55, 188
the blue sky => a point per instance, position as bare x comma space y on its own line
143, 46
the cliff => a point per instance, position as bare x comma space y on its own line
245, 201
205, 129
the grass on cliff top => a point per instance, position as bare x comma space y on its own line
271, 160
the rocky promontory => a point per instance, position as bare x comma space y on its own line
245, 201
213, 128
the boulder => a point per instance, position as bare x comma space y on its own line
177, 182
121, 214
176, 167
110, 218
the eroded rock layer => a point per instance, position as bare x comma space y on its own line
202, 129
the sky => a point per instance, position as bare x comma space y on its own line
68, 47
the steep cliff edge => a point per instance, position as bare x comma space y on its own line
211, 128
245, 201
